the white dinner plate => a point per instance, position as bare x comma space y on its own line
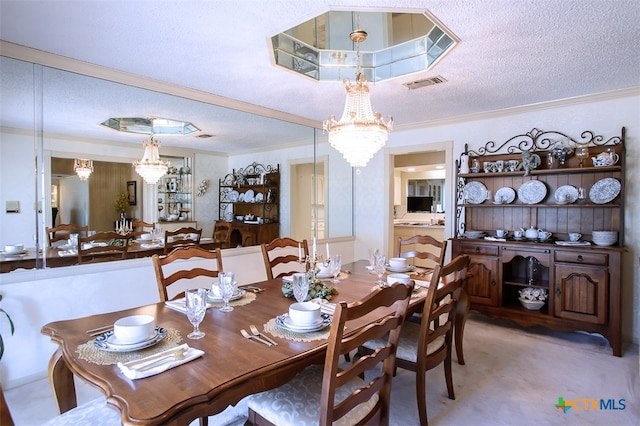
233, 196
107, 342
249, 196
605, 190
327, 275
284, 321
401, 269
239, 293
475, 192
14, 253
566, 194
532, 192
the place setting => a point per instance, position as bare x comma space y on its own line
224, 294
305, 320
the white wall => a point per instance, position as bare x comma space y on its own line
604, 115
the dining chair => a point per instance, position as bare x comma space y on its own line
103, 246
426, 345
221, 233
281, 256
142, 227
62, 232
182, 237
172, 276
425, 248
95, 412
336, 393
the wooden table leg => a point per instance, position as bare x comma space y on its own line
62, 384
462, 310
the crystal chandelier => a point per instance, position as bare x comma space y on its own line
360, 133
151, 168
83, 168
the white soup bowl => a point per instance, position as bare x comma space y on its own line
398, 278
14, 248
134, 329
398, 262
304, 313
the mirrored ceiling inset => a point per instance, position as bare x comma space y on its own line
397, 44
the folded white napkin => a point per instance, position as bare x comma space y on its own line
67, 253
326, 307
158, 363
495, 239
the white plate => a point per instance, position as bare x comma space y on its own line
239, 293
566, 194
327, 275
532, 192
259, 197
401, 269
475, 192
506, 194
249, 197
106, 342
284, 321
604, 190
233, 196
14, 253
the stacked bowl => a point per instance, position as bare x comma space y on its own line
604, 238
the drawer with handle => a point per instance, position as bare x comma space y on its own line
598, 259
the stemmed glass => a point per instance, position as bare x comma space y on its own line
379, 269
196, 308
373, 253
335, 264
227, 285
300, 286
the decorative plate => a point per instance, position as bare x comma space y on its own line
259, 197
566, 194
505, 195
106, 342
604, 190
475, 192
532, 192
239, 293
233, 196
249, 197
283, 321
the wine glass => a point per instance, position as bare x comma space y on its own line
335, 264
196, 308
227, 285
373, 253
582, 152
379, 269
300, 286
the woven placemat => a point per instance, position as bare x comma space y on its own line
273, 329
88, 352
244, 300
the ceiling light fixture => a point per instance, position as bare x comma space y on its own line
83, 168
360, 133
151, 168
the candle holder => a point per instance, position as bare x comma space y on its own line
312, 267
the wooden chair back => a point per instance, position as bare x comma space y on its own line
382, 361
62, 232
422, 247
103, 246
222, 233
140, 227
173, 278
281, 256
181, 238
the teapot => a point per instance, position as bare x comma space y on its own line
608, 158
531, 233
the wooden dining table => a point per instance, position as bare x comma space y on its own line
231, 368
58, 256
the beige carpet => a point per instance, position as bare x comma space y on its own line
513, 376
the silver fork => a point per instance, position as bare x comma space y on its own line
246, 334
257, 333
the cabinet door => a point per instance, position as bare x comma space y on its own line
581, 293
482, 284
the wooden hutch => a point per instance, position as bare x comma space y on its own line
249, 201
583, 280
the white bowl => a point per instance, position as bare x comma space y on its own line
398, 278
604, 238
304, 313
398, 262
324, 270
532, 305
14, 248
134, 329
145, 237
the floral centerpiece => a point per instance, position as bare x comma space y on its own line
318, 290
121, 203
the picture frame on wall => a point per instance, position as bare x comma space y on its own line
132, 193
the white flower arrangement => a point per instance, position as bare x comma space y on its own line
533, 294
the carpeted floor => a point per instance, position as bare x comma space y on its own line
513, 376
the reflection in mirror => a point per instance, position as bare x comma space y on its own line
419, 182
74, 105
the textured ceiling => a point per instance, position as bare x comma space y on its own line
511, 53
